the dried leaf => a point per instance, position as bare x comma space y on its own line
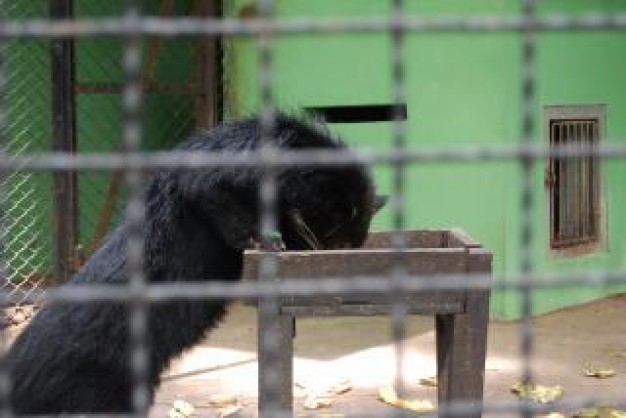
587, 413
538, 393
222, 400
617, 353
599, 373
552, 415
229, 410
181, 409
173, 413
341, 387
317, 402
600, 412
388, 395
430, 382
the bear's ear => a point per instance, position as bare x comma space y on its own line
379, 202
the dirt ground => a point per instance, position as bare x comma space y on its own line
331, 350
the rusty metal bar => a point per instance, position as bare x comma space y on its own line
105, 87
208, 109
64, 139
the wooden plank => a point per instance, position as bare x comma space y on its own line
419, 306
424, 302
458, 237
413, 239
359, 262
462, 343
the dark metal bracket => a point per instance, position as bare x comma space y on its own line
360, 113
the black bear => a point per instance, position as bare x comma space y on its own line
74, 358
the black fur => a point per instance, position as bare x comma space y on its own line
74, 357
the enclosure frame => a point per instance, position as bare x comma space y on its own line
139, 294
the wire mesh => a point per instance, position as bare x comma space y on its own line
27, 232
27, 184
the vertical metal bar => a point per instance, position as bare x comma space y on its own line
398, 307
580, 218
275, 394
527, 163
5, 378
64, 140
562, 185
135, 211
571, 184
562, 225
582, 183
595, 181
209, 70
586, 161
554, 186
569, 192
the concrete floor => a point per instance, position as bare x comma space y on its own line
329, 350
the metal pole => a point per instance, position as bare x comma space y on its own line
64, 140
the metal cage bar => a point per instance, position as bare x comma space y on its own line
139, 294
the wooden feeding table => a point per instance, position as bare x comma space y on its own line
461, 314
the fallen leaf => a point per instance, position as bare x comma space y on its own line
600, 412
229, 411
599, 373
173, 413
222, 400
430, 382
538, 393
317, 402
341, 387
181, 409
388, 395
552, 415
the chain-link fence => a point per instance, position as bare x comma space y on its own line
176, 101
130, 99
27, 234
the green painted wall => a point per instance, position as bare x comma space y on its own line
462, 90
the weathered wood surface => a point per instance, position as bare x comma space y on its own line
461, 315
360, 262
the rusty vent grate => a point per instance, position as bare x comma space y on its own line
574, 185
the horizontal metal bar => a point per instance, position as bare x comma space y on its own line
103, 87
328, 286
178, 26
170, 159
